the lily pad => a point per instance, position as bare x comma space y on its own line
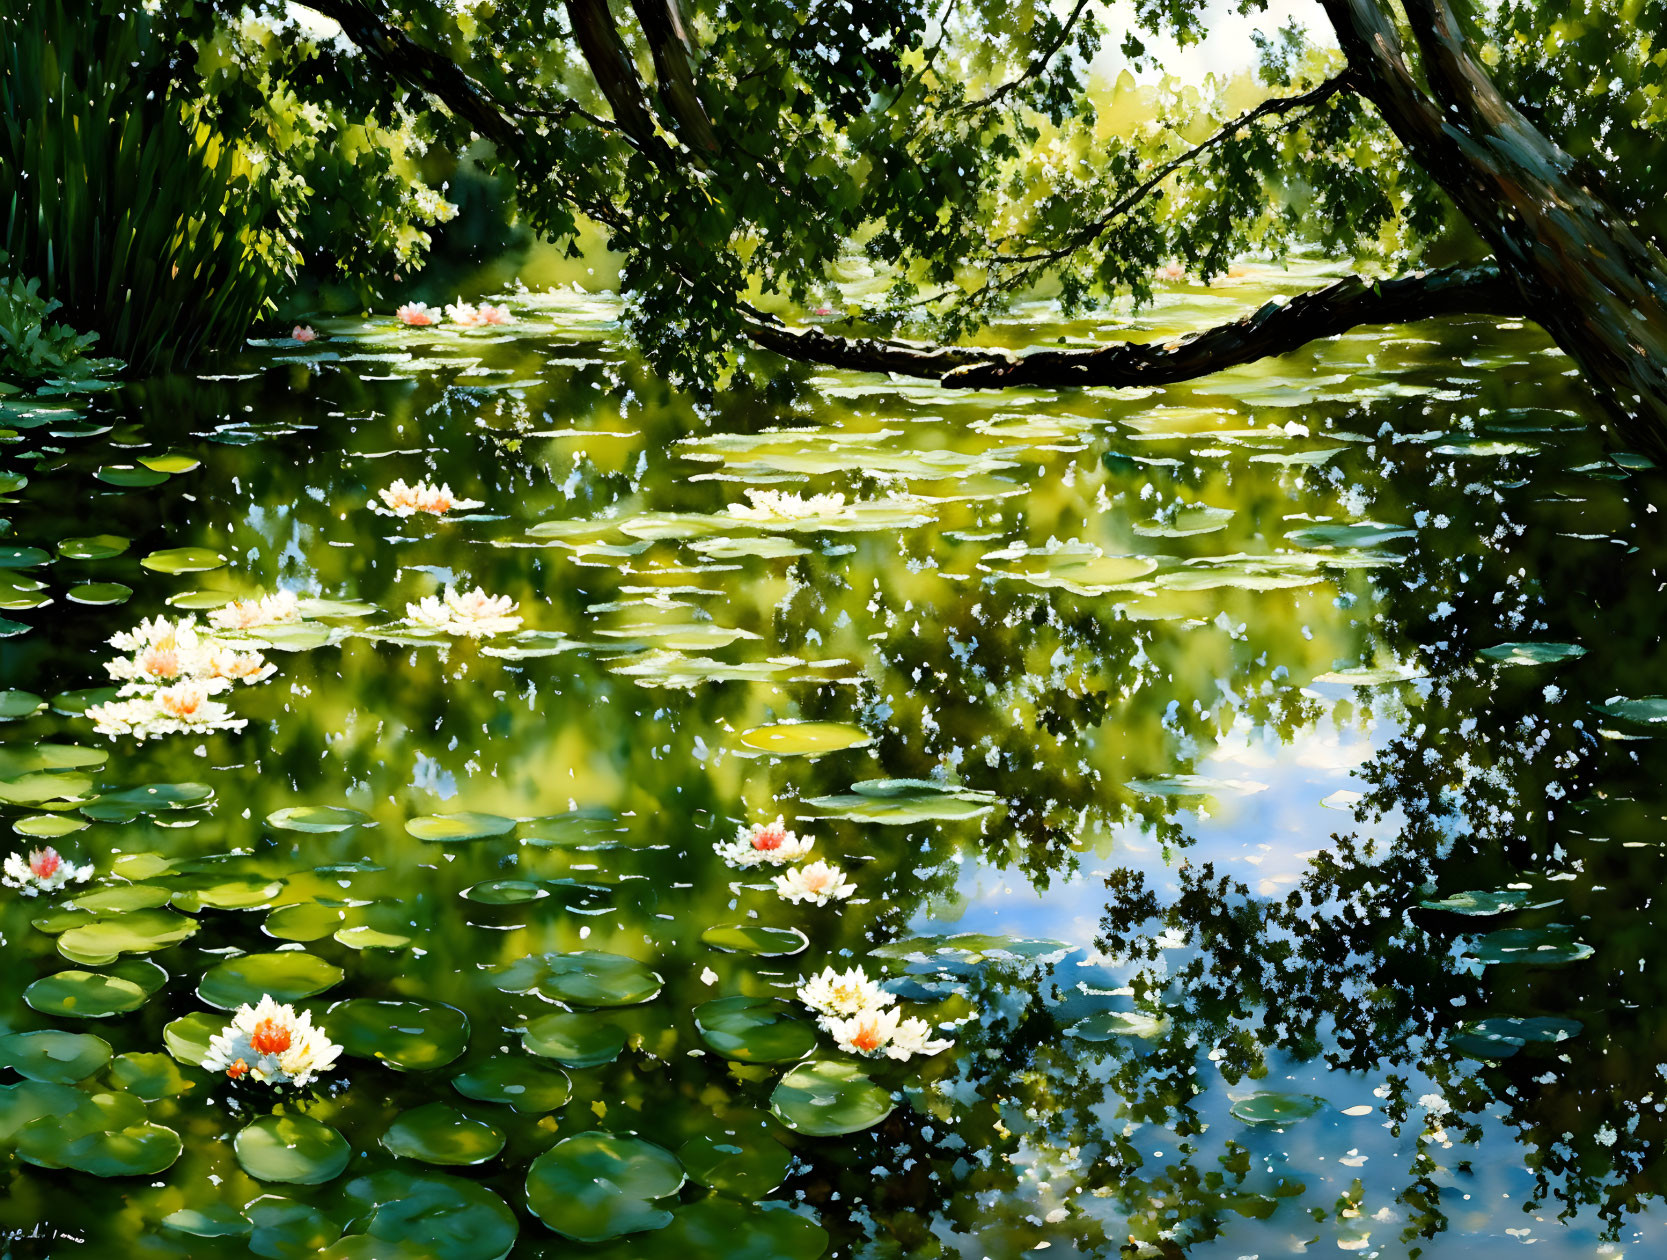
292, 1148
596, 1186
316, 818
184, 560
304, 921
95, 995
187, 1038
93, 1139
97, 547
903, 802
827, 1098
505, 892
19, 704
288, 976
407, 1036
237, 892
435, 1216
755, 1029
99, 594
805, 739
54, 1056
1276, 1109
1531, 653
1551, 945
748, 938
1502, 1036
1483, 903
149, 1076
1106, 1025
724, 1229
577, 1040
438, 1133
529, 1087
583, 978
743, 1161
455, 828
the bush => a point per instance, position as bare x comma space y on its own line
138, 219
33, 350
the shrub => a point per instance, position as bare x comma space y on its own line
33, 349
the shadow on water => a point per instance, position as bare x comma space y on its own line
1257, 779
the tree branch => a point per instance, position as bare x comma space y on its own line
1038, 63
667, 38
1274, 329
422, 68
614, 71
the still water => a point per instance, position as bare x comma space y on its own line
1256, 781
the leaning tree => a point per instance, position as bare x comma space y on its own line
736, 150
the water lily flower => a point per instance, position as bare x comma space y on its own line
773, 505
43, 871
837, 995
163, 651
474, 614
185, 706
231, 665
273, 1044
302, 333
873, 1033
418, 314
465, 314
152, 631
249, 614
404, 500
490, 314
765, 842
817, 883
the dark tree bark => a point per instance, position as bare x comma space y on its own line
668, 40
1583, 274
614, 71
1276, 328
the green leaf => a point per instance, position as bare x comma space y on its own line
825, 1098
602, 1185
291, 1148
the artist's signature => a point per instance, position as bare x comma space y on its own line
29, 1244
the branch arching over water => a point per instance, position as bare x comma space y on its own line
1273, 329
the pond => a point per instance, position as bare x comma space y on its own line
1256, 782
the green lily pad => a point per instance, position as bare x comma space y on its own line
184, 560
139, 932
149, 1076
455, 828
317, 818
286, 1230
747, 938
583, 978
1502, 1036
904, 802
755, 1030
505, 892
236, 892
22, 557
805, 739
436, 1216
724, 1229
130, 477
53, 1056
291, 1148
1647, 709
97, 547
438, 1133
19, 704
596, 1186
407, 1036
170, 462
825, 1098
94, 995
1105, 1025
1531, 653
48, 826
148, 798
187, 1038
30, 1100
1276, 1109
140, 1149
743, 1161
364, 936
972, 947
38, 789
288, 976
575, 1040
212, 1220
304, 921
1481, 903
1551, 945
99, 594
529, 1087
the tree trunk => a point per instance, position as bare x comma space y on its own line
1583, 274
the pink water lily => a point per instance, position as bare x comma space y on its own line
302, 333
44, 870
417, 314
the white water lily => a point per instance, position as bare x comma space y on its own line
425, 496
773, 505
220, 662
817, 883
765, 842
185, 706
835, 995
418, 314
152, 632
474, 614
873, 1033
273, 1044
165, 652
263, 610
44, 870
